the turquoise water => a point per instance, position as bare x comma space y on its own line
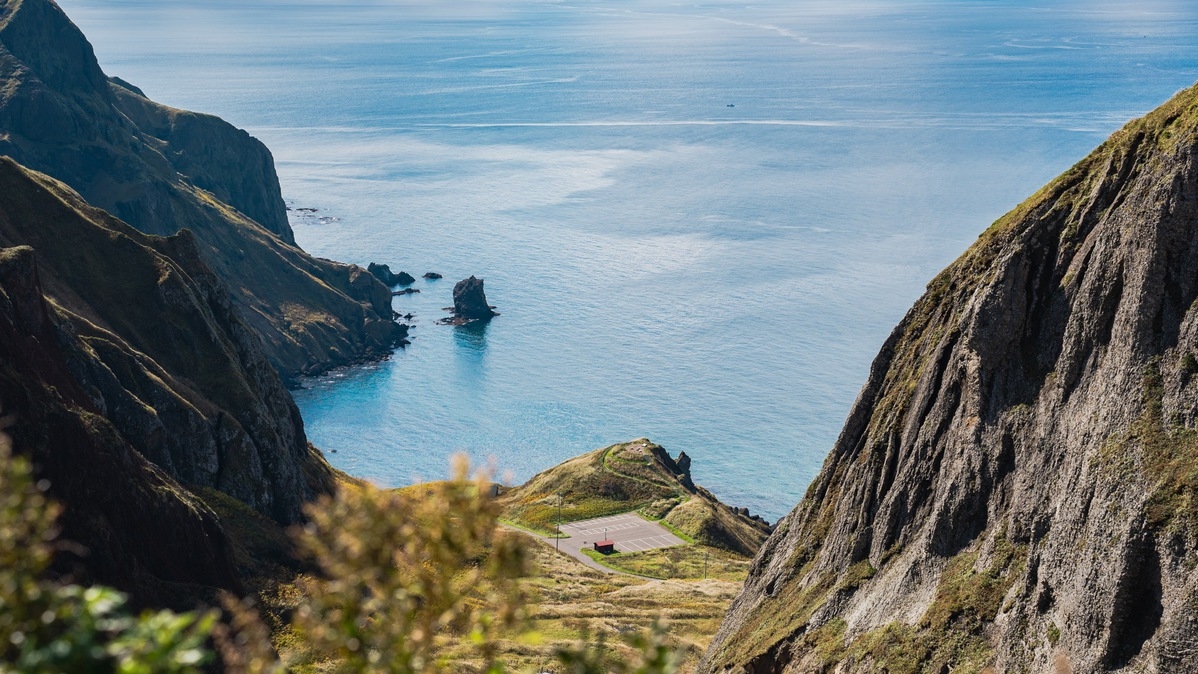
698, 221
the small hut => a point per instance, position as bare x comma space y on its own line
605, 547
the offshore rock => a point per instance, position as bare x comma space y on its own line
470, 302
383, 273
432, 275
1014, 489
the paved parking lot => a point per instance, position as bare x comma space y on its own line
630, 531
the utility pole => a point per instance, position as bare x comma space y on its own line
704, 565
557, 542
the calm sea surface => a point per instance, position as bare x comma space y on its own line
699, 221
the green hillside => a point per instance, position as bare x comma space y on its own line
632, 476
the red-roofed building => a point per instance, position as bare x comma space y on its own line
605, 547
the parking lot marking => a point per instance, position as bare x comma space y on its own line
630, 532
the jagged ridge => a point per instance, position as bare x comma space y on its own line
148, 333
1014, 487
132, 526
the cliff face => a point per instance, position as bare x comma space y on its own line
1015, 487
148, 334
162, 170
133, 526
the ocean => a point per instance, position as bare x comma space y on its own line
698, 221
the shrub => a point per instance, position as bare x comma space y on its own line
52, 627
400, 579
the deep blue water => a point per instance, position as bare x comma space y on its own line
715, 278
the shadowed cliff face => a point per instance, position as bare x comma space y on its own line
1016, 484
161, 170
151, 338
132, 526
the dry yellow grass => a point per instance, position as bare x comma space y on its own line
569, 601
682, 562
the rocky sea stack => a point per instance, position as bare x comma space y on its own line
1015, 488
470, 302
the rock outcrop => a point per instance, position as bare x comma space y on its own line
161, 170
432, 275
383, 273
1015, 488
470, 302
683, 464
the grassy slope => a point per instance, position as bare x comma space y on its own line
683, 562
568, 601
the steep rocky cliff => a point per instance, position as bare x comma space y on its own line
131, 525
161, 170
1015, 487
78, 399
151, 337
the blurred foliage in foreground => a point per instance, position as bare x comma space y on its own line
401, 580
52, 627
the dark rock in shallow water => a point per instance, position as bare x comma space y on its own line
469, 300
469, 303
383, 273
432, 275
406, 291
